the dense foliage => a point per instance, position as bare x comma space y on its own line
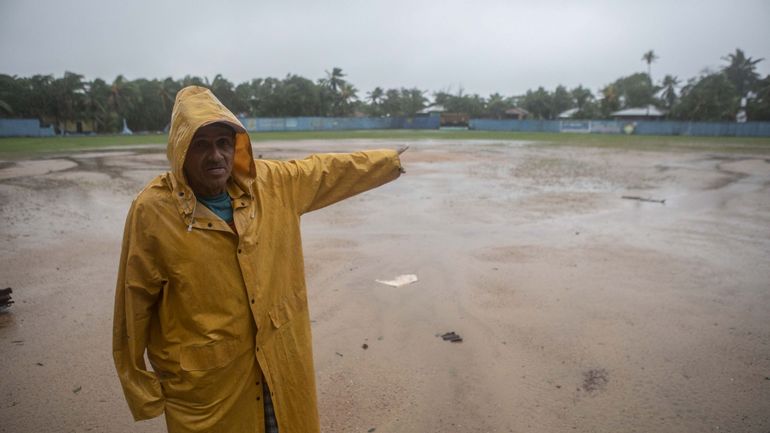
146, 104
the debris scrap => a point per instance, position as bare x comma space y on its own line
399, 281
364, 346
452, 337
5, 298
652, 200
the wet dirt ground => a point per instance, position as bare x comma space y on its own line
579, 310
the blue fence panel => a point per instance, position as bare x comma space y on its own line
24, 128
657, 127
422, 122
515, 125
262, 124
704, 129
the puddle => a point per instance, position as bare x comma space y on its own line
35, 168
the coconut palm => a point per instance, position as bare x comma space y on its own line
95, 103
345, 99
669, 95
375, 100
68, 94
167, 91
496, 105
334, 79
741, 71
582, 96
375, 96
649, 57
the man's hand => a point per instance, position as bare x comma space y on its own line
401, 150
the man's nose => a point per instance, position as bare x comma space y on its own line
216, 153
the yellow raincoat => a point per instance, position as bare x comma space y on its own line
219, 312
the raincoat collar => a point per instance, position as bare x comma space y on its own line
194, 108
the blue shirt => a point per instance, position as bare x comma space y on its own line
221, 205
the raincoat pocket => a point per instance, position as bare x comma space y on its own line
282, 313
215, 354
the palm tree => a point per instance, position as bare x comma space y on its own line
347, 95
68, 98
167, 90
334, 79
122, 98
412, 100
118, 98
96, 95
741, 71
496, 105
375, 99
582, 96
610, 100
375, 96
669, 90
223, 89
649, 57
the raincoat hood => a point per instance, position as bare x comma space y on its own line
194, 108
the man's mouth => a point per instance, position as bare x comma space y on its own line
217, 171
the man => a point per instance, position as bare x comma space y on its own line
211, 282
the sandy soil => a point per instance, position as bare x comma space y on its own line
579, 310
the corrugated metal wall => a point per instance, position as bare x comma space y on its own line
262, 124
641, 127
23, 128
31, 127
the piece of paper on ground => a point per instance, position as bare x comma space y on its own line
400, 280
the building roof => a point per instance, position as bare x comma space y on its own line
517, 110
649, 111
432, 109
568, 114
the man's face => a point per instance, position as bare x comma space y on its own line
209, 159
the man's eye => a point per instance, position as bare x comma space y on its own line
224, 142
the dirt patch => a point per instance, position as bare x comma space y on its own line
595, 379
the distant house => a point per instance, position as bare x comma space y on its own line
517, 113
81, 126
432, 110
569, 114
78, 126
650, 112
446, 120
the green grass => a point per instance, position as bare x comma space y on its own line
29, 146
15, 148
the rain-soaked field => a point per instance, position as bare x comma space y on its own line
580, 310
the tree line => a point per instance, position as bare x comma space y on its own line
146, 104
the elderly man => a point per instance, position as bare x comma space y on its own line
211, 282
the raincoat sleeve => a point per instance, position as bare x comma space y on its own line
137, 290
324, 179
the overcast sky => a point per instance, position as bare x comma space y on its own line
481, 46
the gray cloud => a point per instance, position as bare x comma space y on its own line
480, 46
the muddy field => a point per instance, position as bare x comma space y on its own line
579, 310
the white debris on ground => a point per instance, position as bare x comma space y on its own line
400, 280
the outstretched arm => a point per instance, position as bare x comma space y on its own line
323, 179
